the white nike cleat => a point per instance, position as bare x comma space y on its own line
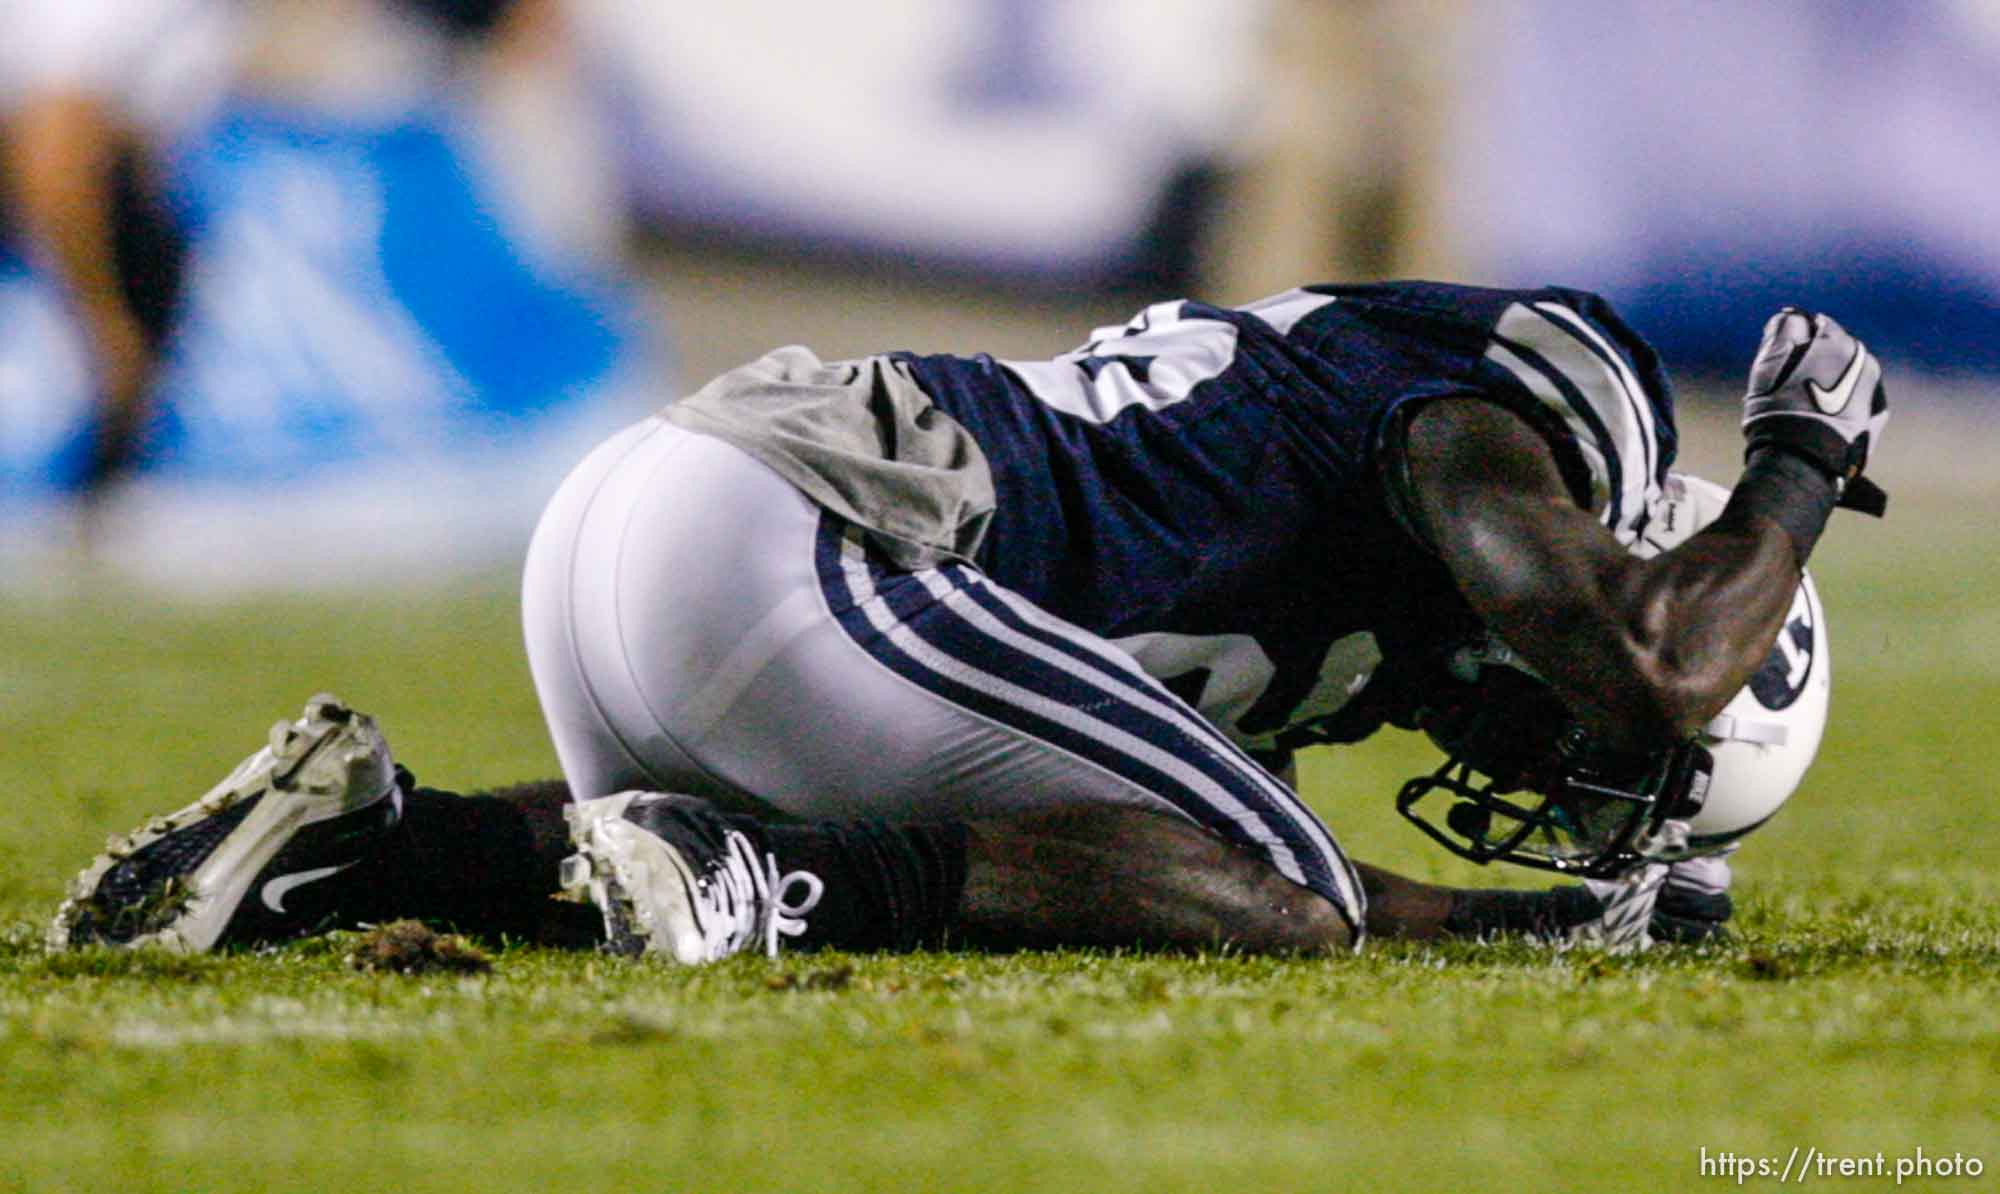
673, 879
250, 861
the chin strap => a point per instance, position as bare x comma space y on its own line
1736, 729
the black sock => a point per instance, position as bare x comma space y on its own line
887, 887
484, 864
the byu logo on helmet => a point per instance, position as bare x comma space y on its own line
1784, 672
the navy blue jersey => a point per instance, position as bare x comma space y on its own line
1205, 485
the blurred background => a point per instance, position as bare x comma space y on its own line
299, 294
306, 306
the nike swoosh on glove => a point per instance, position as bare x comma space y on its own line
1816, 392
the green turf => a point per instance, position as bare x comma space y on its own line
1858, 1012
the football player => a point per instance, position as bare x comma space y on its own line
922, 649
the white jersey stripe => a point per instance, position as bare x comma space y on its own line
1153, 362
1601, 387
1588, 442
1595, 380
1642, 407
1238, 812
1283, 311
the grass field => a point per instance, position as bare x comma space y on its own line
1857, 1012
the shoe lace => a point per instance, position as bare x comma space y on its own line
748, 899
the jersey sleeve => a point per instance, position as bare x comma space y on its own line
1399, 494
1601, 387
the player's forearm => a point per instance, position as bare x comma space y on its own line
1789, 492
1709, 610
1702, 617
1642, 652
1402, 909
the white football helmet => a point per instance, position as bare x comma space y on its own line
1765, 738
1601, 817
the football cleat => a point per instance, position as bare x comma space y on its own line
251, 861
671, 878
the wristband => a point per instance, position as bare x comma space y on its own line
1791, 491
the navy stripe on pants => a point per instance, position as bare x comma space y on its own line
954, 634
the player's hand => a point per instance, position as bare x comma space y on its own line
1626, 908
1817, 392
1684, 903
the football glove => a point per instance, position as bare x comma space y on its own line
1816, 392
1627, 906
1683, 903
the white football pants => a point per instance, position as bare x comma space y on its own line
695, 624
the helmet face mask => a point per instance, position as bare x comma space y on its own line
1584, 818
1524, 783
